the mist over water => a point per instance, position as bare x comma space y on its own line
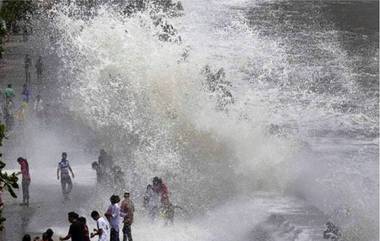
302, 123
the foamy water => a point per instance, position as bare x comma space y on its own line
287, 131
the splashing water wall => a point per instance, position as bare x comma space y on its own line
147, 99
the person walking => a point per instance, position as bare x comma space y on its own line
103, 227
25, 182
63, 172
127, 210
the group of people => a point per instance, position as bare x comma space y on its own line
107, 173
10, 112
107, 228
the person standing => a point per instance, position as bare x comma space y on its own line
103, 227
9, 94
151, 202
25, 94
25, 182
27, 63
161, 189
63, 171
127, 210
39, 69
38, 107
113, 215
76, 232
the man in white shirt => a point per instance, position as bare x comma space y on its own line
114, 216
103, 227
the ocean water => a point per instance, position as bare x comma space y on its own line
296, 147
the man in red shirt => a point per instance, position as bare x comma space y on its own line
24, 166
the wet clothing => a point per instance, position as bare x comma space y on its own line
76, 231
66, 183
103, 224
64, 167
163, 192
127, 210
152, 203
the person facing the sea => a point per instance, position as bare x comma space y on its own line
76, 232
127, 209
114, 217
151, 202
103, 227
83, 222
63, 172
25, 182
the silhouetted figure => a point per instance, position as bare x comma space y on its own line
76, 232
332, 232
83, 222
39, 69
105, 160
26, 238
9, 94
151, 202
38, 107
48, 234
28, 64
25, 94
161, 189
98, 170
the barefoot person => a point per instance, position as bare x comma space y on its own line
127, 209
25, 182
103, 227
63, 171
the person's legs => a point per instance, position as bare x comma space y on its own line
114, 235
129, 232
125, 237
27, 184
69, 185
63, 185
24, 187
